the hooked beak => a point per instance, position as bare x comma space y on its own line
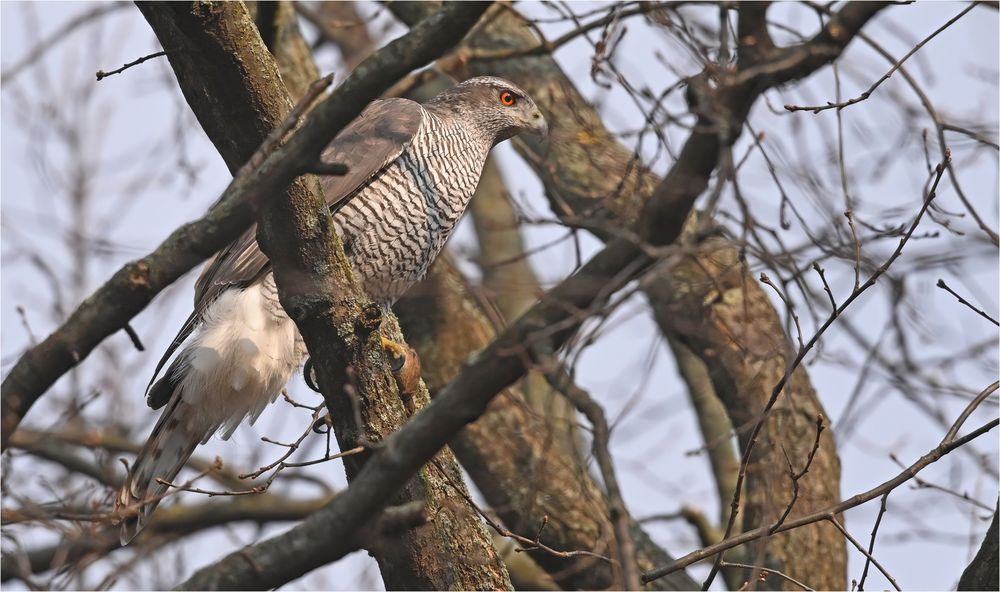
539, 126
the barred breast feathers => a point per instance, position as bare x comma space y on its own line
396, 226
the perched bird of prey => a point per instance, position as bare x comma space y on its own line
412, 170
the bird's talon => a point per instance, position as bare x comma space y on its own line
322, 425
309, 376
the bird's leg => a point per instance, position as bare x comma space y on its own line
405, 365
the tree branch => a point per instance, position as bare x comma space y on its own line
271, 563
173, 521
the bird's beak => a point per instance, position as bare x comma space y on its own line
539, 126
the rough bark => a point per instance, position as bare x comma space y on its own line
278, 26
225, 68
710, 303
983, 573
508, 451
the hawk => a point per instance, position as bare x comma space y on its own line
412, 171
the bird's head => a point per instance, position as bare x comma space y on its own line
494, 105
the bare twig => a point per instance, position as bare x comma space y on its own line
948, 444
796, 476
924, 484
979, 311
842, 104
764, 571
869, 557
134, 337
871, 543
101, 74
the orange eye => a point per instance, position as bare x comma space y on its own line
508, 98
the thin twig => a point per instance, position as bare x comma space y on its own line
791, 309
132, 335
924, 484
871, 543
863, 96
864, 551
101, 74
948, 444
826, 286
797, 476
766, 571
27, 326
979, 311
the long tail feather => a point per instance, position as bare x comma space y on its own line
169, 447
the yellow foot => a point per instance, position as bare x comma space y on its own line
405, 364
397, 353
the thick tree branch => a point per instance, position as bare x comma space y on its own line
272, 564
